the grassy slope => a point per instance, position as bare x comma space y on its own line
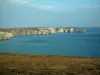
13, 64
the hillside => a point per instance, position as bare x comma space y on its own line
13, 64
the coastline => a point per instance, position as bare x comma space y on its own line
27, 64
9, 33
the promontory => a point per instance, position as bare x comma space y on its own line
8, 33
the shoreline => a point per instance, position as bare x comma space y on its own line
6, 33
28, 64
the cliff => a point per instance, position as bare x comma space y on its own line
71, 30
8, 33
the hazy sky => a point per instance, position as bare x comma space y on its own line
49, 13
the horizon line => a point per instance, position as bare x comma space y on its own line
51, 27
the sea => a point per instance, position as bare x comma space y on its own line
85, 44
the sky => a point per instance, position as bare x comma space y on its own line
49, 13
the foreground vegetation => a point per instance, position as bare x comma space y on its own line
19, 64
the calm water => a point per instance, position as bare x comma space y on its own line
74, 44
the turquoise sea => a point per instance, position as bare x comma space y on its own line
67, 44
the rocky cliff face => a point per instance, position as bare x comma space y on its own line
6, 35
9, 33
71, 30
